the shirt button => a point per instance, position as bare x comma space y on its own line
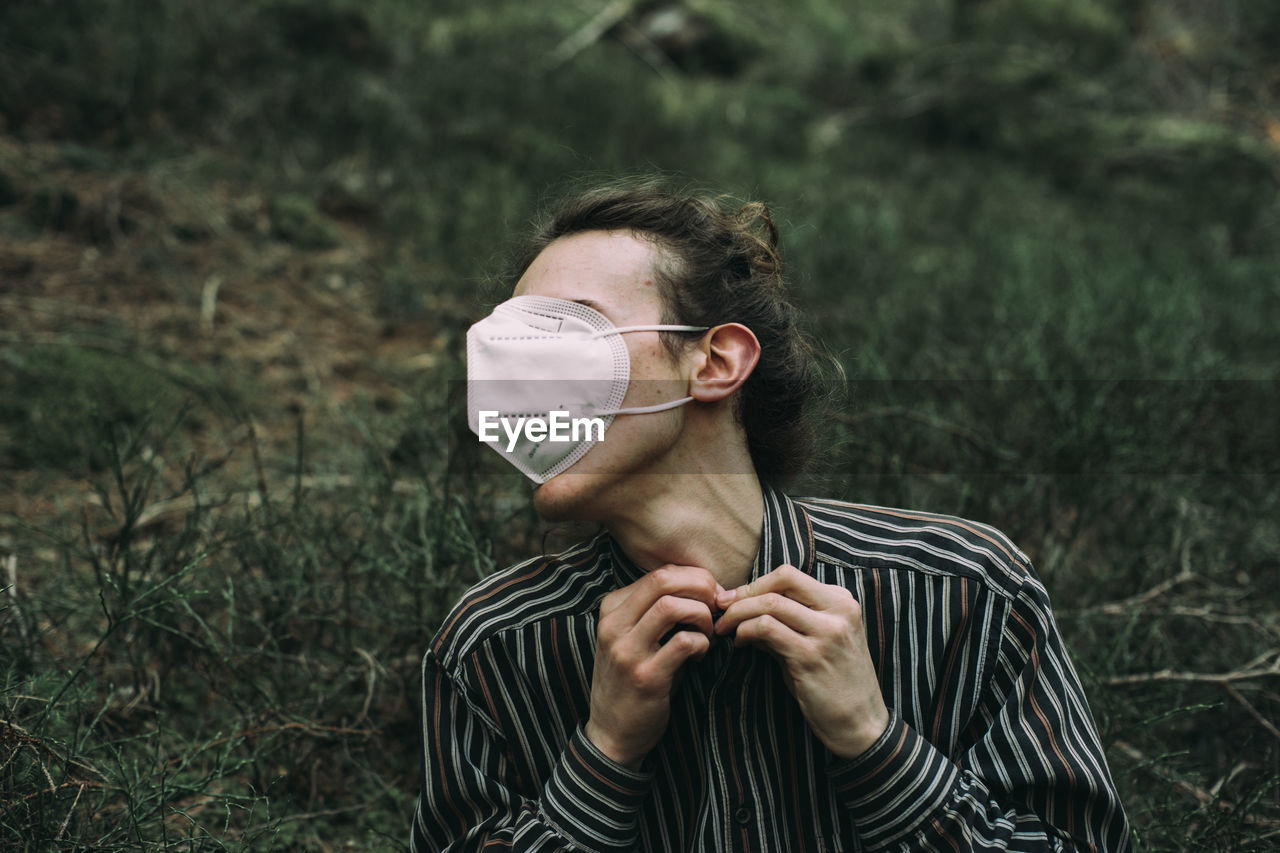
742, 815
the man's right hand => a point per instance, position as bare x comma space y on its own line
631, 684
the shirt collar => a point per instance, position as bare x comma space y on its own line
786, 538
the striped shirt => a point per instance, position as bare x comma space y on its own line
991, 745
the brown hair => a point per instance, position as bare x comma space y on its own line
720, 264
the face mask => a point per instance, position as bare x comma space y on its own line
550, 360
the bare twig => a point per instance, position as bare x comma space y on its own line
167, 507
23, 738
56, 306
312, 815
44, 769
257, 459
1144, 601
1251, 670
74, 783
81, 341
639, 43
314, 729
66, 820
11, 570
1161, 588
1208, 615
209, 301
964, 433
1188, 788
371, 681
1240, 767
589, 33
1253, 712
1126, 606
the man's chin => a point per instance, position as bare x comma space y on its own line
565, 497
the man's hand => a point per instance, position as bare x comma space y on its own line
634, 670
815, 631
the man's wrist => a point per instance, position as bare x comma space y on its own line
604, 744
860, 736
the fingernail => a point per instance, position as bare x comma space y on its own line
723, 597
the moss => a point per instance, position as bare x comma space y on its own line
62, 407
295, 220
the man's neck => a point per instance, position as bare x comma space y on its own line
713, 522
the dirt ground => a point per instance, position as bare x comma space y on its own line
194, 280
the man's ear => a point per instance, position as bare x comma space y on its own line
725, 357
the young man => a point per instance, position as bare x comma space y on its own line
725, 667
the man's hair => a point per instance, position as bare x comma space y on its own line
719, 263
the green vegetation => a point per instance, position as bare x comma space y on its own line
240, 243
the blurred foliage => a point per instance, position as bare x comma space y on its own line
69, 408
295, 220
1042, 236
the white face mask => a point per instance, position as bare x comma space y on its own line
535, 356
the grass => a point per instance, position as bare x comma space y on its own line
240, 249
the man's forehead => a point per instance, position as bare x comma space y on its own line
609, 271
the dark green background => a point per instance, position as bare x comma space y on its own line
1041, 237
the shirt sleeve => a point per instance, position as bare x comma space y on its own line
1031, 775
473, 798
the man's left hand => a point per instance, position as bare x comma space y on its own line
815, 632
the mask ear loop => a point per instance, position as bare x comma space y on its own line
617, 330
644, 410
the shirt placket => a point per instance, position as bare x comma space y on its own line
731, 752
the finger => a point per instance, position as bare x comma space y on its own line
692, 582
665, 580
683, 646
773, 635
790, 612
784, 580
667, 613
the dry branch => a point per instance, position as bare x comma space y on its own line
1251, 670
11, 572
590, 32
313, 729
1193, 790
1126, 606
73, 783
1253, 712
67, 820
964, 433
171, 508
